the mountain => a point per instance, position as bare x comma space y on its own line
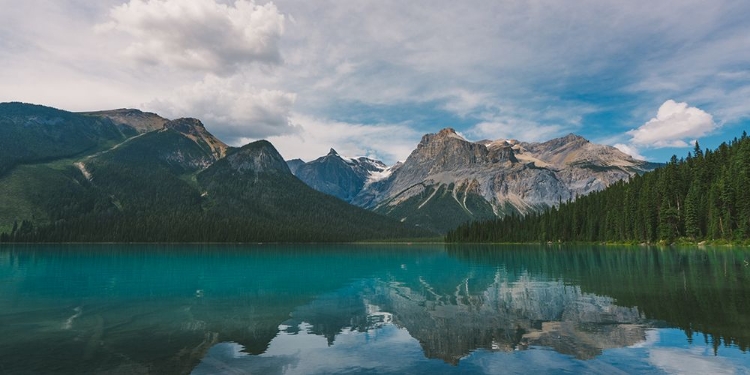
339, 176
701, 197
132, 121
175, 183
294, 164
448, 180
34, 133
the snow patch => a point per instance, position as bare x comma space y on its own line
375, 176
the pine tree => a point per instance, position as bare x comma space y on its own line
692, 209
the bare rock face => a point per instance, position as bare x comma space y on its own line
506, 175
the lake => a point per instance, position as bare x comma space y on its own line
387, 309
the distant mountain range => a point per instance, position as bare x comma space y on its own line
448, 180
339, 176
126, 175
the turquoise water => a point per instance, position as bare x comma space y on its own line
311, 309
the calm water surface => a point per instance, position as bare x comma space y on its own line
116, 309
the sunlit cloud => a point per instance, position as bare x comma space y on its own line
675, 123
231, 108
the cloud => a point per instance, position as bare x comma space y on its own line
386, 142
630, 150
199, 34
503, 68
231, 108
527, 131
673, 125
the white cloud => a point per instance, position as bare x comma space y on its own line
386, 142
527, 131
673, 125
630, 150
231, 108
199, 34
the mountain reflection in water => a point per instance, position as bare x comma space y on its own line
375, 309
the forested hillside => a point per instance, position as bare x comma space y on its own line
32, 133
705, 196
177, 183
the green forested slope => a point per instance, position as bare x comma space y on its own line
33, 133
705, 196
438, 208
169, 186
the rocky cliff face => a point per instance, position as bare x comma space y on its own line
448, 180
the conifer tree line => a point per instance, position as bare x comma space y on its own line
121, 207
705, 196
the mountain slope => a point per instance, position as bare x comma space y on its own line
33, 133
178, 184
256, 179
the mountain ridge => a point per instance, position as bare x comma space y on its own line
447, 179
176, 183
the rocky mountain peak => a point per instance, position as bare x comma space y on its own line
574, 137
443, 136
570, 140
342, 177
258, 157
446, 132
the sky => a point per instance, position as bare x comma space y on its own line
369, 78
